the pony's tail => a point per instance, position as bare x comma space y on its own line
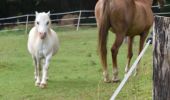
104, 26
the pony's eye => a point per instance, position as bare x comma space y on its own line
47, 22
37, 23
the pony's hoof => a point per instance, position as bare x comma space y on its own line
37, 84
43, 85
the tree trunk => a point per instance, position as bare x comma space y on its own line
161, 59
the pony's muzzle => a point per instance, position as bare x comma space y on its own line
42, 35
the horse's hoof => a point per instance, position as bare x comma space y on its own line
37, 84
115, 80
135, 74
125, 74
107, 81
43, 86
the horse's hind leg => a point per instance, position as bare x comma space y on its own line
106, 75
130, 53
114, 50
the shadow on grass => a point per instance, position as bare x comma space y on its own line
68, 83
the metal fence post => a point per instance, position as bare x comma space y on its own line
26, 26
78, 23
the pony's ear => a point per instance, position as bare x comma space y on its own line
36, 13
48, 13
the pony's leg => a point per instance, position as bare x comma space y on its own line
130, 53
37, 82
35, 67
114, 50
45, 72
43, 63
141, 43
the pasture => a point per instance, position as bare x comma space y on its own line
75, 72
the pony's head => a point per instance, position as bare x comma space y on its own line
42, 23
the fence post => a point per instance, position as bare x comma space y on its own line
78, 22
161, 59
26, 26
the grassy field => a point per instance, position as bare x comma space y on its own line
75, 72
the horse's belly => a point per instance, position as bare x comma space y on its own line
135, 31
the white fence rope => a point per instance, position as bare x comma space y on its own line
72, 12
134, 66
79, 18
163, 13
54, 14
26, 26
157, 6
12, 30
29, 22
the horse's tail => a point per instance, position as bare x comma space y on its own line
104, 26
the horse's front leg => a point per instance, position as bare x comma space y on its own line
141, 43
130, 54
37, 72
45, 72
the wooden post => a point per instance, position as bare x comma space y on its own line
161, 59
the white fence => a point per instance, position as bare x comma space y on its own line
78, 19
54, 17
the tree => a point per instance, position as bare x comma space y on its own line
161, 59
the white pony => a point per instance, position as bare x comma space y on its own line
43, 43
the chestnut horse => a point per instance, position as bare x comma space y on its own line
124, 18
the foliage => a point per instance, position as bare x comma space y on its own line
17, 7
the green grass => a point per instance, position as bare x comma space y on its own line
75, 73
